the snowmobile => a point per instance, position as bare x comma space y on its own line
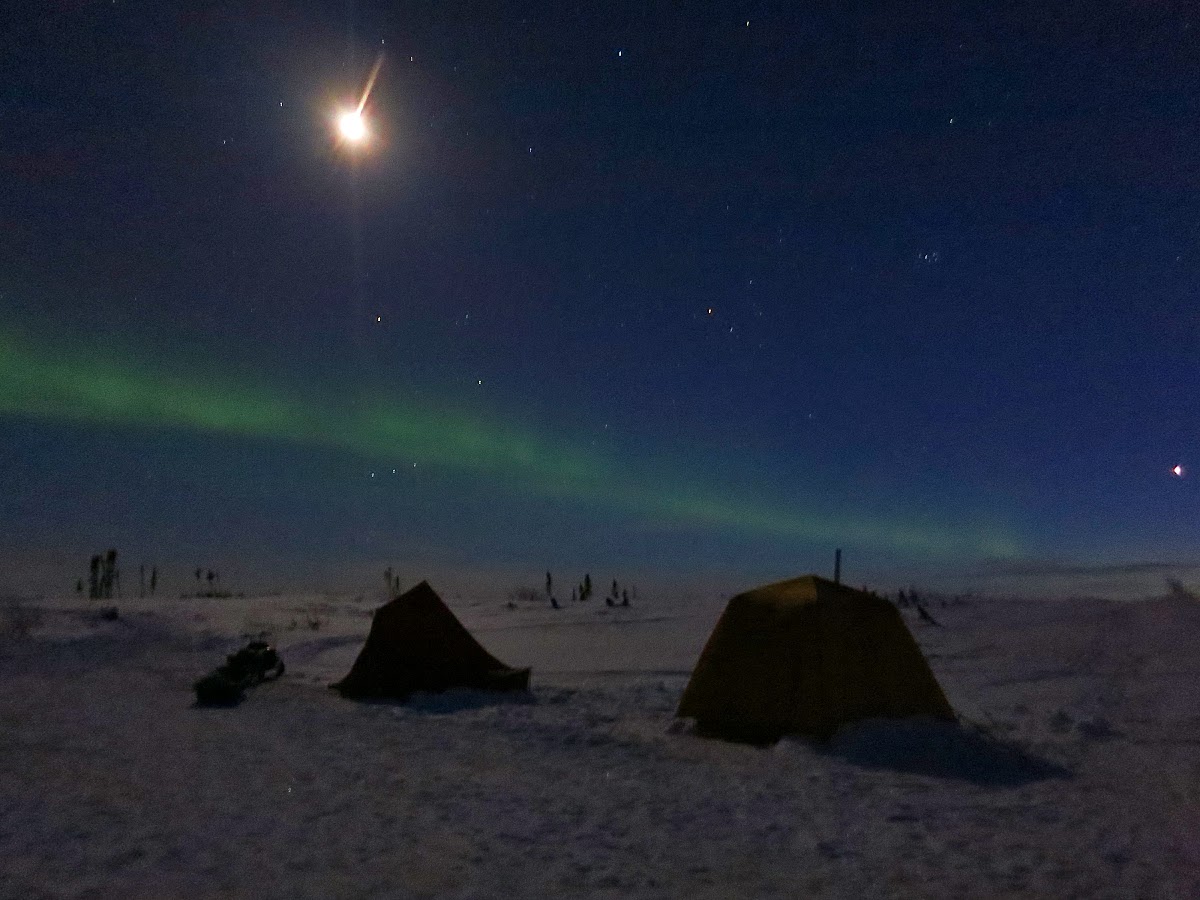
227, 685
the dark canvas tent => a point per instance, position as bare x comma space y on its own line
417, 644
803, 657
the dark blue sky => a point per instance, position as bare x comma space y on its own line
923, 277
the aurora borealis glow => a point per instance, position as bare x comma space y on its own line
90, 389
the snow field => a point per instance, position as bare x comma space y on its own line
112, 784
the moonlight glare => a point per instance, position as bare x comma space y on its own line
352, 123
351, 126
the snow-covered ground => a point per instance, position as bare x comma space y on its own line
113, 785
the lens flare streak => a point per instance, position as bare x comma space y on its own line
352, 122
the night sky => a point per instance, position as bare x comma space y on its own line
674, 291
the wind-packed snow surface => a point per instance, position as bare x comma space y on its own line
1077, 775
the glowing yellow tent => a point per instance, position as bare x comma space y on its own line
803, 657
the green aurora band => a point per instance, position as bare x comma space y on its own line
89, 388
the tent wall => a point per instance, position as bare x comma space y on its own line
805, 656
417, 644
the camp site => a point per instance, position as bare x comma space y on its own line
776, 424
795, 738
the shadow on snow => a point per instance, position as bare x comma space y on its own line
940, 750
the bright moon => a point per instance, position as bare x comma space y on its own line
350, 122
352, 126
1177, 471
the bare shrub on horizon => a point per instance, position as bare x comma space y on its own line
1176, 590
17, 620
525, 594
